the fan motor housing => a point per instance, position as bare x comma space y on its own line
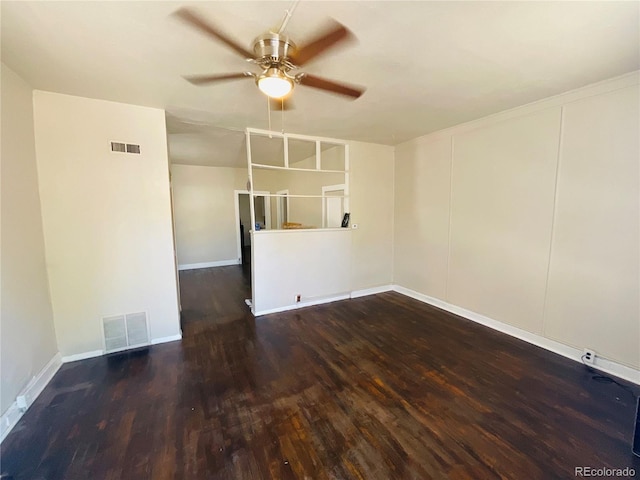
274, 47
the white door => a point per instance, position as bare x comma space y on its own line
335, 211
332, 206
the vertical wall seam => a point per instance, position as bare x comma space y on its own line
446, 281
393, 216
553, 221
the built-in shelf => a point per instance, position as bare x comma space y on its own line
319, 229
285, 195
284, 205
275, 167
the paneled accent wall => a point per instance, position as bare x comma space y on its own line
531, 217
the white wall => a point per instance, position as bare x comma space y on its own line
421, 219
530, 217
28, 339
371, 203
206, 225
371, 199
594, 290
321, 264
502, 184
204, 211
313, 264
106, 217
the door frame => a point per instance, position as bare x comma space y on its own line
331, 188
279, 206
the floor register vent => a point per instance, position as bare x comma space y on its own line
122, 332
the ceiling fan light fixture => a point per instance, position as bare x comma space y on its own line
274, 83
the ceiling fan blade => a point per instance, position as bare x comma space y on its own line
278, 104
331, 36
329, 85
205, 79
189, 16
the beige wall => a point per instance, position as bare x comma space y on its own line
593, 293
502, 191
306, 211
371, 200
371, 204
204, 193
106, 217
314, 264
28, 339
206, 226
421, 218
324, 263
531, 218
204, 212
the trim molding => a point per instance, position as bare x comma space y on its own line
171, 338
296, 306
82, 356
28, 395
599, 88
219, 263
602, 364
371, 291
98, 353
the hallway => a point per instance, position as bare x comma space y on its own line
213, 296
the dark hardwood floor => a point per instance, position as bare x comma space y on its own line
381, 387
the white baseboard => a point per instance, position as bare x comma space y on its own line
98, 353
9, 420
171, 338
308, 303
602, 364
220, 263
371, 291
28, 395
82, 356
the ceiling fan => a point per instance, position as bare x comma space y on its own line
278, 57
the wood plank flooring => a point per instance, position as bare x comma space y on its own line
380, 387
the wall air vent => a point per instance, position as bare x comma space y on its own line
122, 332
122, 147
131, 148
118, 147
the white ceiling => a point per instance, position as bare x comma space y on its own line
426, 65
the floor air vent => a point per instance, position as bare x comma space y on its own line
122, 332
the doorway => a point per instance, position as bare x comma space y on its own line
243, 216
282, 208
332, 205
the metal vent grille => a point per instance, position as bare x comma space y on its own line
122, 147
131, 148
125, 331
118, 147
115, 333
137, 331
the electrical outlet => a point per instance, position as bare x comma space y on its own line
298, 297
22, 402
588, 356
